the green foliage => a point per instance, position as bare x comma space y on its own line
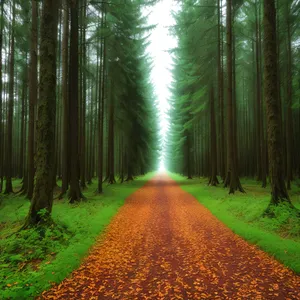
243, 214
286, 221
29, 262
195, 66
128, 83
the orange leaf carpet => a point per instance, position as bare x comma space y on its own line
163, 244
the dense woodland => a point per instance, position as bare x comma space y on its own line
236, 94
76, 103
79, 134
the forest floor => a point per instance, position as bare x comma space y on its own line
243, 214
163, 244
29, 263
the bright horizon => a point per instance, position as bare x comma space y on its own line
160, 42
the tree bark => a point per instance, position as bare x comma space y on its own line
32, 98
213, 181
74, 191
1, 92
258, 96
279, 192
9, 129
22, 133
188, 155
221, 95
289, 115
42, 200
101, 106
83, 101
65, 135
232, 180
91, 119
111, 133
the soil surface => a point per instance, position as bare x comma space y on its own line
163, 244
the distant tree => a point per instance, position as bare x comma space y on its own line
65, 99
101, 99
1, 97
33, 89
213, 180
9, 126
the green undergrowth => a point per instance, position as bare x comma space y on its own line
30, 260
243, 213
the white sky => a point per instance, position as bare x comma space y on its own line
161, 41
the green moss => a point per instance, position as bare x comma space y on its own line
29, 263
243, 214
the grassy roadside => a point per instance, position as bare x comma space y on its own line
242, 213
29, 263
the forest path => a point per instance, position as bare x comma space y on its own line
163, 244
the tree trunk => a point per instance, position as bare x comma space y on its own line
232, 180
83, 101
123, 161
42, 200
263, 147
22, 133
221, 94
1, 93
90, 156
213, 181
32, 98
278, 189
258, 96
65, 99
261, 153
9, 129
74, 191
111, 136
188, 156
129, 163
101, 107
289, 115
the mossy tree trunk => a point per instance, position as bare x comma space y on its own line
74, 190
45, 131
279, 192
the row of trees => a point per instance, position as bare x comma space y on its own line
236, 93
75, 98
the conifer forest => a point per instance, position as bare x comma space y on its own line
149, 149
